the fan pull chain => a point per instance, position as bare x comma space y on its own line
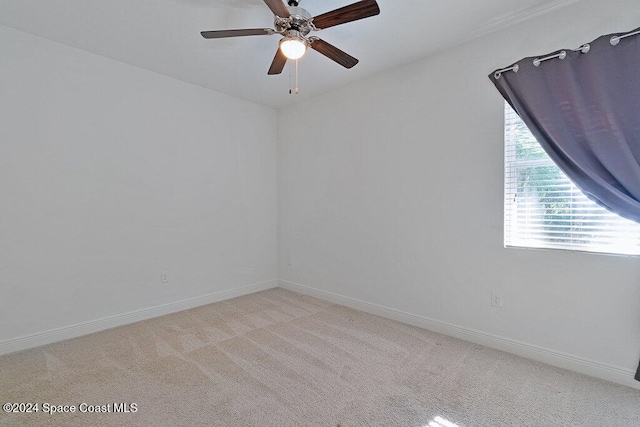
290, 85
297, 90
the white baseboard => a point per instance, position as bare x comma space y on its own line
530, 351
85, 328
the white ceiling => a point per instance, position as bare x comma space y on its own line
164, 36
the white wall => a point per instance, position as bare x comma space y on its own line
110, 174
391, 193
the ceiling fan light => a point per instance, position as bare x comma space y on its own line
293, 47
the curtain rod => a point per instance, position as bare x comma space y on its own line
498, 73
563, 54
616, 39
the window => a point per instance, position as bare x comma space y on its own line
543, 209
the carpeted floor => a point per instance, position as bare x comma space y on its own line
277, 358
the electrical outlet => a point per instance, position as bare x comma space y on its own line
496, 299
164, 277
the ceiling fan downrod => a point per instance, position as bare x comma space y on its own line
293, 3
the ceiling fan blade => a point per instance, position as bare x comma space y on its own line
237, 33
353, 12
332, 52
278, 8
278, 63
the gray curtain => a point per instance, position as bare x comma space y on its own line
584, 110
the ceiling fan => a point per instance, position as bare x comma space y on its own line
295, 24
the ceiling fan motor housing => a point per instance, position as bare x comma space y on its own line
299, 21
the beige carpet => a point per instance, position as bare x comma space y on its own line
277, 358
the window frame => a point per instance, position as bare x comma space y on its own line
511, 238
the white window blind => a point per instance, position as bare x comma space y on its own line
543, 209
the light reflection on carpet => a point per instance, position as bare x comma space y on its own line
441, 422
